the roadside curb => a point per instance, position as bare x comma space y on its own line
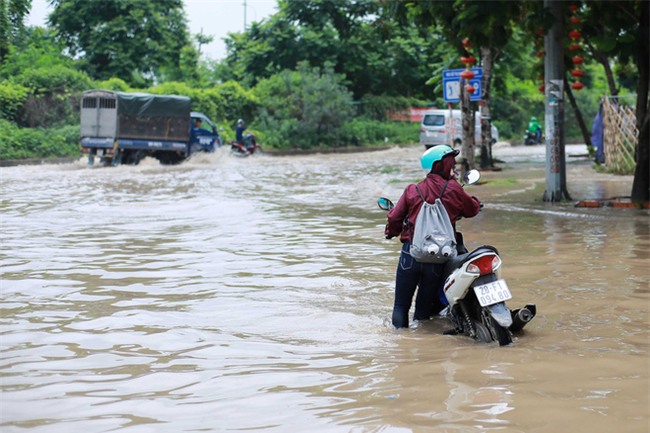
36, 161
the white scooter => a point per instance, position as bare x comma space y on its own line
476, 292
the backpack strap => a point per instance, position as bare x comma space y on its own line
443, 189
441, 192
420, 193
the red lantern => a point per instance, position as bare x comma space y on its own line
573, 8
470, 89
540, 54
466, 44
578, 73
577, 86
574, 34
467, 74
577, 60
541, 88
574, 47
574, 20
468, 60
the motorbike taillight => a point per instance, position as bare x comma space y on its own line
484, 265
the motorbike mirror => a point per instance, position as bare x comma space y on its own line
471, 177
385, 203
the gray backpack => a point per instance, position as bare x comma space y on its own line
433, 237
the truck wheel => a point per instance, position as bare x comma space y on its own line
133, 157
169, 158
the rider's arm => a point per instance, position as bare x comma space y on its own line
396, 216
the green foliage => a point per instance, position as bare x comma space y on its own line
12, 15
358, 132
37, 49
57, 79
115, 84
376, 55
20, 143
131, 40
235, 102
54, 96
12, 98
308, 106
376, 107
223, 103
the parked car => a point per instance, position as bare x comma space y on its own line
445, 127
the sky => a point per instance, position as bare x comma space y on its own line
215, 17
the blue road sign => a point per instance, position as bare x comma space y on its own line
451, 84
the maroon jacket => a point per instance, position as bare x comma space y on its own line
456, 201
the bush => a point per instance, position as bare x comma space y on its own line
21, 143
58, 79
235, 102
12, 98
304, 108
359, 132
114, 84
377, 107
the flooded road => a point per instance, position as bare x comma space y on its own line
255, 294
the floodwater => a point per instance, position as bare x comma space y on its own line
254, 294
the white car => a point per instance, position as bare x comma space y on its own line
445, 127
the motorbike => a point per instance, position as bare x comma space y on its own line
248, 147
476, 291
531, 138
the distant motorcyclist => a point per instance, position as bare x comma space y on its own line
245, 144
239, 132
535, 128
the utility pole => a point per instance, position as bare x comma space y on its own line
244, 15
554, 107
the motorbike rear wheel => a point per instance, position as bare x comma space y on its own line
482, 332
500, 334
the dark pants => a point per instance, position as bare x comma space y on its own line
427, 278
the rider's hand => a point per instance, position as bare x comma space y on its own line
389, 236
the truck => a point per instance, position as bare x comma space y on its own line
124, 128
444, 127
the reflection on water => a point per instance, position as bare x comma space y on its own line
237, 294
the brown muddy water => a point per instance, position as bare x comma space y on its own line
255, 294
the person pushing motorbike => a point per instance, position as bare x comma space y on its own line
440, 162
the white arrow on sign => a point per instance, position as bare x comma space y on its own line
452, 90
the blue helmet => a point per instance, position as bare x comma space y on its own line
435, 154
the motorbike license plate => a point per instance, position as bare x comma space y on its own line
492, 293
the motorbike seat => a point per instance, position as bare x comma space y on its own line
457, 262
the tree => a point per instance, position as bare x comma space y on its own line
617, 32
121, 38
488, 25
202, 39
12, 17
376, 55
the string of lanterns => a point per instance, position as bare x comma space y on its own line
575, 48
468, 60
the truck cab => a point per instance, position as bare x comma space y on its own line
204, 135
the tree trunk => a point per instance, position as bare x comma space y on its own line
467, 148
488, 58
586, 134
641, 183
